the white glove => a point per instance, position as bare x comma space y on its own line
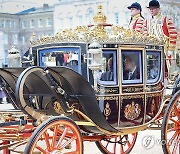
170, 56
170, 53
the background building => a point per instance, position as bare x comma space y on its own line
14, 6
70, 13
9, 28
17, 29
35, 20
19, 19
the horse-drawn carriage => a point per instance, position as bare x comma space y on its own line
101, 83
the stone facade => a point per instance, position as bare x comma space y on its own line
17, 29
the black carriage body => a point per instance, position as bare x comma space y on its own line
119, 103
8, 79
106, 75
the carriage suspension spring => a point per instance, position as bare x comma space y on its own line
120, 141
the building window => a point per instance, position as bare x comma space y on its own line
5, 38
23, 40
15, 38
7, 24
80, 18
61, 23
2, 23
70, 22
23, 24
6, 55
13, 24
90, 16
127, 14
49, 22
32, 24
40, 23
116, 18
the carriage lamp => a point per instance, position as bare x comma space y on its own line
14, 58
94, 59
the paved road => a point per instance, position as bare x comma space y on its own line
154, 146
91, 148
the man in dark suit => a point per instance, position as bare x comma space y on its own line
131, 71
59, 59
108, 75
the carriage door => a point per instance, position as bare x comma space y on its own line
132, 97
154, 81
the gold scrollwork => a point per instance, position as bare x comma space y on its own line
155, 88
109, 90
57, 107
108, 98
132, 89
154, 94
132, 97
86, 34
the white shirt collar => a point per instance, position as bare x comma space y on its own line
133, 70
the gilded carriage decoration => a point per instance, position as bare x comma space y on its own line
132, 110
99, 83
57, 107
107, 110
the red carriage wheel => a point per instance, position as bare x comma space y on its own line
56, 135
170, 133
121, 144
5, 150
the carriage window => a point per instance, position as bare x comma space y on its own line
132, 66
107, 75
153, 66
69, 57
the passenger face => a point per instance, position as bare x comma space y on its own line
110, 65
127, 64
154, 11
134, 11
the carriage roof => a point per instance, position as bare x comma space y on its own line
100, 31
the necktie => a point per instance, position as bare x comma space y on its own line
130, 76
111, 76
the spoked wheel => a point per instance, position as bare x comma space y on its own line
56, 135
170, 133
122, 144
5, 150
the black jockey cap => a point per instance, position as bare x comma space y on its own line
154, 3
135, 5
